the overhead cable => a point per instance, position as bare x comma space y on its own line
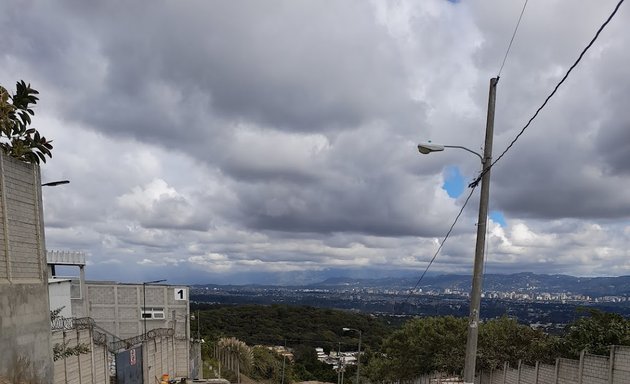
512, 39
472, 190
599, 31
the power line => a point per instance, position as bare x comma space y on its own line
512, 39
566, 75
472, 190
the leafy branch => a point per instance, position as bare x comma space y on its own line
17, 139
62, 350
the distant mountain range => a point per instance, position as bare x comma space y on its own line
518, 282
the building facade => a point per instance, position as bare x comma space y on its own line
150, 316
24, 306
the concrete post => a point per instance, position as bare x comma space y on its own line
611, 364
581, 367
475, 294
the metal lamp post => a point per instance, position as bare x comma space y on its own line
359, 352
54, 184
144, 303
475, 295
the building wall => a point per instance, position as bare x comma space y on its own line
24, 306
117, 307
87, 368
59, 295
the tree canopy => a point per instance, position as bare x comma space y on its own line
401, 353
17, 138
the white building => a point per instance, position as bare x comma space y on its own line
155, 316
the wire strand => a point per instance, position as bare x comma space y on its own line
441, 245
566, 75
512, 39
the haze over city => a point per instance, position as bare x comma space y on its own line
245, 142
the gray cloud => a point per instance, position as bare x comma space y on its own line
224, 138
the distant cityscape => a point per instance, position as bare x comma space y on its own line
542, 301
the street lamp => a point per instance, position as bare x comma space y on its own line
359, 352
475, 295
428, 147
144, 303
55, 183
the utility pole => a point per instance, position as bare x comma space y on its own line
475, 295
339, 364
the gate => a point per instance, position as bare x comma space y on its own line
129, 366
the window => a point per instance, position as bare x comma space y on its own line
152, 313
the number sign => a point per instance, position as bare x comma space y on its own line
181, 293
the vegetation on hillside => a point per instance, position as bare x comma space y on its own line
280, 324
419, 346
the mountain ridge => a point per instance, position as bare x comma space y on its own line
517, 282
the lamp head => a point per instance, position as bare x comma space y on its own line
426, 148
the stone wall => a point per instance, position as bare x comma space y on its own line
24, 309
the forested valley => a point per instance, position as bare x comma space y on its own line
393, 348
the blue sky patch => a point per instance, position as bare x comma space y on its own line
454, 183
497, 217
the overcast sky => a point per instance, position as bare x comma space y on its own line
275, 141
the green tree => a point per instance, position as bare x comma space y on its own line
504, 339
595, 333
16, 138
308, 368
421, 346
269, 365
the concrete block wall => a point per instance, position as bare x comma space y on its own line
590, 369
621, 364
159, 353
87, 368
595, 369
527, 375
181, 357
497, 377
117, 308
567, 371
546, 374
511, 376
24, 307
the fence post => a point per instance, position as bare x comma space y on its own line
79, 358
518, 374
505, 367
92, 361
611, 364
65, 364
557, 370
536, 370
581, 368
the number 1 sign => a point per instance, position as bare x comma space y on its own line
181, 294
